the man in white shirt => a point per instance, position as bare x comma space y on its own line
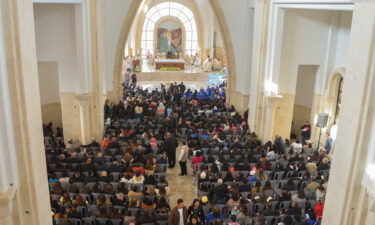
183, 158
297, 146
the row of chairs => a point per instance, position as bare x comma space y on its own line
98, 221
185, 132
116, 185
255, 208
277, 178
276, 184
115, 175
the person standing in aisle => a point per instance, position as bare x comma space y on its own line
183, 158
170, 145
134, 80
306, 132
179, 214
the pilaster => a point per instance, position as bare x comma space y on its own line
257, 100
70, 112
84, 115
284, 116
7, 203
97, 118
31, 204
271, 104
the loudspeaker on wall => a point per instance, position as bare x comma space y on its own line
322, 120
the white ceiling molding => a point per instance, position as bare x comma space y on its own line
59, 1
342, 5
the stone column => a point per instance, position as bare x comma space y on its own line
97, 102
27, 200
70, 116
84, 116
257, 97
7, 204
8, 162
344, 204
284, 116
269, 121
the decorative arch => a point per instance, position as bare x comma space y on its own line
126, 27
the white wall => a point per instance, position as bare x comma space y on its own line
48, 73
113, 16
305, 85
343, 38
337, 53
55, 41
312, 37
239, 19
305, 38
208, 22
248, 56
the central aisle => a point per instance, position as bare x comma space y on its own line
181, 186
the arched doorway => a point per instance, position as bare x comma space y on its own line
136, 7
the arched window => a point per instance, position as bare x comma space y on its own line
182, 13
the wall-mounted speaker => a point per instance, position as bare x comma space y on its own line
322, 120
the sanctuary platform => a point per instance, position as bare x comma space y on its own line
191, 74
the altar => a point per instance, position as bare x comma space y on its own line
159, 63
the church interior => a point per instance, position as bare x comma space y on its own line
183, 112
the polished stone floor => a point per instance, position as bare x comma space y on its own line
181, 186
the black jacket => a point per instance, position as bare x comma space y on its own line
196, 212
170, 146
220, 191
92, 144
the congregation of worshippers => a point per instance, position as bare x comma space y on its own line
122, 179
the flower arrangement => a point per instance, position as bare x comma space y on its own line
137, 69
167, 83
170, 68
221, 70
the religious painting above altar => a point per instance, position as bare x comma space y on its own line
169, 34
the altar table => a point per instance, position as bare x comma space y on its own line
169, 62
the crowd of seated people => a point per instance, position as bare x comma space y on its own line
274, 183
90, 184
122, 180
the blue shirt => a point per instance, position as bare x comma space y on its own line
312, 222
328, 145
210, 217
